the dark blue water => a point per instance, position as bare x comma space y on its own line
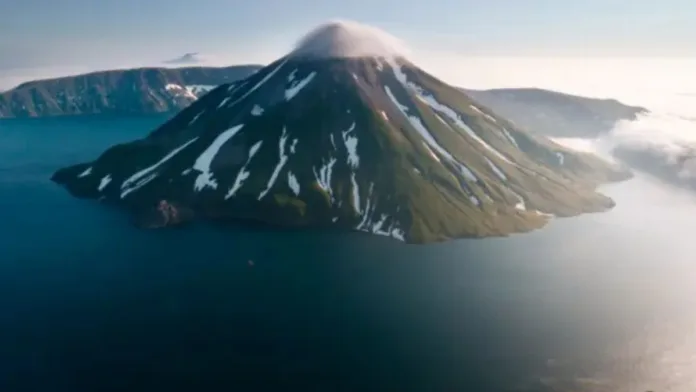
598, 303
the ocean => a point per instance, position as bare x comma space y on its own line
601, 302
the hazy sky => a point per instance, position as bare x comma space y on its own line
37, 33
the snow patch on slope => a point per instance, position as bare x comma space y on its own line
450, 113
351, 143
432, 154
104, 182
369, 225
281, 162
487, 116
196, 117
243, 173
202, 164
496, 169
510, 137
85, 173
128, 185
323, 177
521, 205
431, 142
199, 90
356, 194
256, 110
178, 90
296, 87
256, 86
293, 183
430, 100
139, 184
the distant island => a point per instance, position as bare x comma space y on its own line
337, 136
154, 90
556, 114
128, 91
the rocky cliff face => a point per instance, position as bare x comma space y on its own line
555, 114
132, 91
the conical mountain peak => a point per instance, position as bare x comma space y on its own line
363, 143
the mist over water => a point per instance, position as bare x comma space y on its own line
667, 132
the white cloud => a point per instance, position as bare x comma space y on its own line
342, 38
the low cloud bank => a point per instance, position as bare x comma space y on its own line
661, 142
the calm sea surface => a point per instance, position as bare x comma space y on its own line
603, 302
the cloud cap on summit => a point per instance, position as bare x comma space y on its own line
349, 39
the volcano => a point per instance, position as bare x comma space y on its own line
345, 132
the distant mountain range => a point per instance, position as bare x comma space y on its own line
130, 91
153, 90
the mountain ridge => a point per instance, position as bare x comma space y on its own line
142, 90
556, 114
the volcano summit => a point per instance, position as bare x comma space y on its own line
345, 132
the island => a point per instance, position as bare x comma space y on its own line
331, 136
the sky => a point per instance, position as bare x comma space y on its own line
41, 33
472, 43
